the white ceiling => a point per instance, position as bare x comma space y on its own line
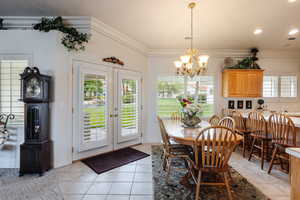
163, 24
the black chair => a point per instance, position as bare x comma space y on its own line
4, 133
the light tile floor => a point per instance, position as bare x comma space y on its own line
134, 181
129, 182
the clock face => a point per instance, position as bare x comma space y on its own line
33, 88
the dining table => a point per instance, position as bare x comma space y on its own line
186, 136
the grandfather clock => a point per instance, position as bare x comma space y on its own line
35, 152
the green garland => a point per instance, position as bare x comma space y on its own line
72, 39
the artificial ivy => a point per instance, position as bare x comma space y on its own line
72, 39
248, 62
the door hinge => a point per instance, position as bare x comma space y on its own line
142, 107
72, 110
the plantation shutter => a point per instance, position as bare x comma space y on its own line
129, 107
270, 88
94, 107
10, 89
288, 86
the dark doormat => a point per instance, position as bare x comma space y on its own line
105, 162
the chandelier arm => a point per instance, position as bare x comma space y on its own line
192, 28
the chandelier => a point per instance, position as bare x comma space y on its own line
192, 63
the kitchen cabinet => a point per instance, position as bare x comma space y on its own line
242, 83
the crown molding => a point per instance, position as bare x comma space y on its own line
26, 23
102, 28
221, 53
236, 53
82, 23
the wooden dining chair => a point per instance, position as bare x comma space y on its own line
227, 122
226, 112
240, 128
214, 120
283, 133
176, 116
171, 151
212, 150
257, 126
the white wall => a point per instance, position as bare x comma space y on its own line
46, 52
271, 62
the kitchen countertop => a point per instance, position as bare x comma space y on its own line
296, 120
294, 152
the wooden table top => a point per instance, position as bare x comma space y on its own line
186, 135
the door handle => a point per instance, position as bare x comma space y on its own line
113, 115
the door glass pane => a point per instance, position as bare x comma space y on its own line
129, 108
94, 106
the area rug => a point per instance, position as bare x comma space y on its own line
108, 161
241, 188
29, 187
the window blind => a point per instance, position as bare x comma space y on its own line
10, 89
270, 88
288, 86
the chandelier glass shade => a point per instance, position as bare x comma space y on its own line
192, 63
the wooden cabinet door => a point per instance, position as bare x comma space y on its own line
254, 84
242, 83
237, 84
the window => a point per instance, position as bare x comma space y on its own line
288, 86
280, 86
170, 87
270, 86
203, 86
10, 88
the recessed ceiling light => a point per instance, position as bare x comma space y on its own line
257, 31
292, 1
293, 31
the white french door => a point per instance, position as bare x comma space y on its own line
128, 107
106, 109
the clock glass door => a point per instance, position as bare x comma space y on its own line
33, 89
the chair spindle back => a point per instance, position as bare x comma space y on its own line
214, 120
214, 145
239, 120
176, 117
227, 122
282, 129
257, 123
164, 134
